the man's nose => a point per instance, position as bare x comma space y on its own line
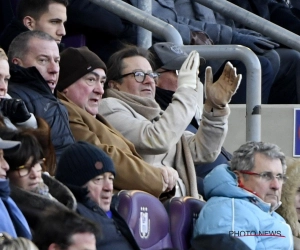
99, 88
108, 185
275, 183
53, 67
148, 80
61, 31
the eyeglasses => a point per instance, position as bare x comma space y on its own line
140, 76
25, 170
168, 70
267, 176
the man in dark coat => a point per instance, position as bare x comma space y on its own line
104, 31
34, 70
48, 16
286, 85
89, 173
190, 17
276, 12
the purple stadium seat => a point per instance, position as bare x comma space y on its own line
76, 40
147, 218
183, 212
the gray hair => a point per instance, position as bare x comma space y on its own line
243, 158
19, 46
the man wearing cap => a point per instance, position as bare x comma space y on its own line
80, 88
89, 173
34, 70
11, 218
167, 60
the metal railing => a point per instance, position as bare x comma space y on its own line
230, 52
141, 18
254, 22
253, 67
144, 36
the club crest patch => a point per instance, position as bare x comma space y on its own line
144, 223
176, 49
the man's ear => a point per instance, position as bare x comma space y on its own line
17, 61
53, 246
240, 178
113, 85
29, 22
237, 173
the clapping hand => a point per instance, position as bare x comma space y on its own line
219, 94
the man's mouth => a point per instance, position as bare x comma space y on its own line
52, 84
94, 100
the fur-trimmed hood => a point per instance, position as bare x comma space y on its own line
287, 209
34, 205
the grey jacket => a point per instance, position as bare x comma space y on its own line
187, 16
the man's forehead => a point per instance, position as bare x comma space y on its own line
56, 11
38, 47
100, 73
264, 163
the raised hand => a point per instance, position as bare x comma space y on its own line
219, 94
188, 74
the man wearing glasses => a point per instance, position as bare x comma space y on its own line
80, 88
243, 196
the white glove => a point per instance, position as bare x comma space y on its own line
188, 74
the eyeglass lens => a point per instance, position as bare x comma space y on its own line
26, 170
140, 76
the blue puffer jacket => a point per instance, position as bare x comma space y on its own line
233, 210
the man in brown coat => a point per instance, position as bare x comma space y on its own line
80, 88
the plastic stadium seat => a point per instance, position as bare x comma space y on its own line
147, 218
183, 212
77, 40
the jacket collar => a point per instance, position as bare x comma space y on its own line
30, 76
222, 182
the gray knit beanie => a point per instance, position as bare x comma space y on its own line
81, 162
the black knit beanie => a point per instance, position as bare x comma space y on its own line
75, 63
81, 162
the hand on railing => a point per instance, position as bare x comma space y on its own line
257, 44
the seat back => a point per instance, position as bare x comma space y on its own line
183, 212
147, 218
74, 40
